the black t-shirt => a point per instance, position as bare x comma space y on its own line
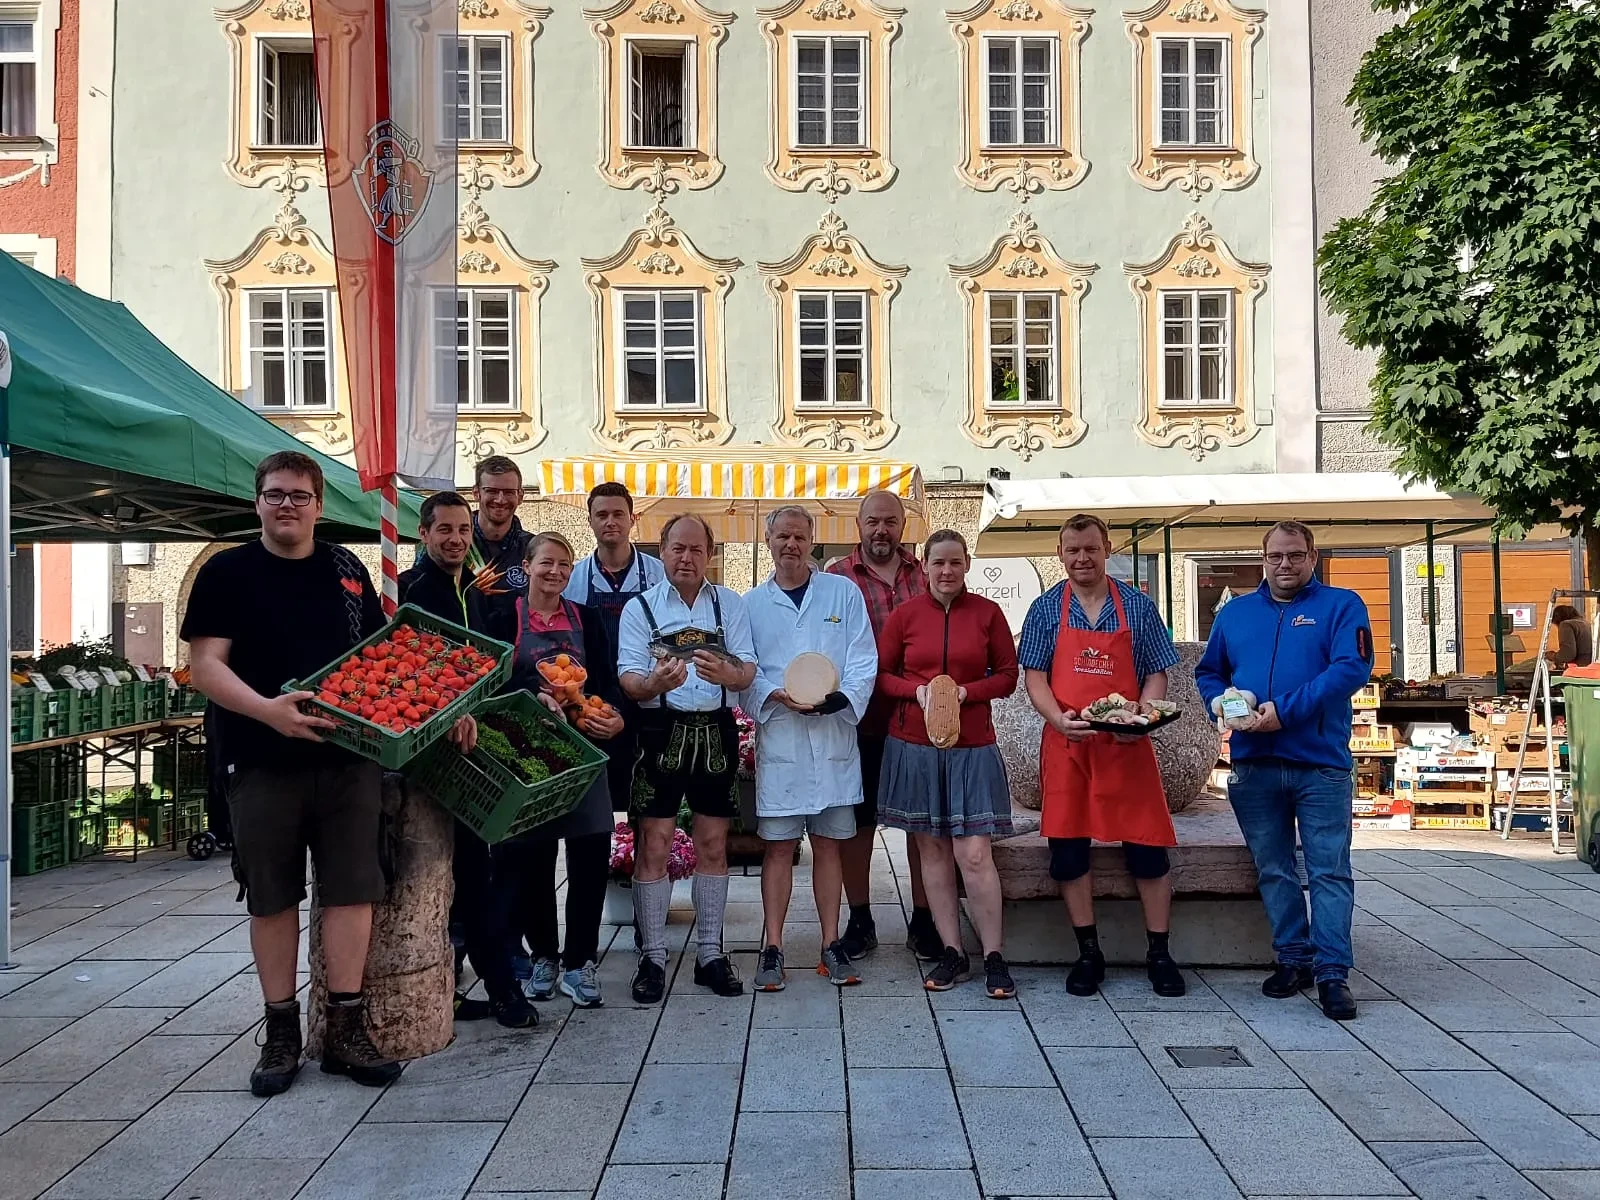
797, 595
286, 618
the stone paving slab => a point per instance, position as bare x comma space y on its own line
790, 1154
886, 1132
1562, 1069
678, 1114
1509, 1119
34, 1154
1114, 1092
184, 982
76, 989
404, 1162
898, 1031
794, 1071
916, 1185
1372, 1098
992, 1049
77, 1051
1163, 1169
1408, 1041
560, 1136
133, 1082
1454, 1171
311, 1118
676, 1181
247, 1179
1027, 1144
483, 1078
1156, 1032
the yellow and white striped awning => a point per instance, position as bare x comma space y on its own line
736, 496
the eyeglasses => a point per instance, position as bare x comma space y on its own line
498, 493
1294, 558
276, 497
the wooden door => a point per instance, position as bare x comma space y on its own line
1368, 576
1526, 579
140, 632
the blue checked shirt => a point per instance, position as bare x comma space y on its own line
1152, 645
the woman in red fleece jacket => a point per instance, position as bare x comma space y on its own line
952, 801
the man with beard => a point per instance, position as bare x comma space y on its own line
498, 545
888, 575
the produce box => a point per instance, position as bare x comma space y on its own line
119, 705
87, 711
1368, 698
151, 701
86, 835
39, 837
491, 798
1372, 739
413, 648
190, 768
55, 773
184, 701
153, 825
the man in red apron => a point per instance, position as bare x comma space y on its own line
1083, 640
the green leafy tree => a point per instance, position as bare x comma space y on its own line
1475, 271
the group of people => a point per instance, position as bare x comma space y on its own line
674, 655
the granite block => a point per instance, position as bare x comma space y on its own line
560, 1135
992, 1049
1500, 925
35, 1154
882, 1133
1541, 990
790, 1154
1027, 1144
1567, 1185
890, 1032
916, 1185
1374, 1099
701, 1031
76, 989
1510, 1120
1562, 1069
405, 1162
674, 1181
167, 938
1115, 1093
1455, 1171
133, 1082
680, 1113
18, 1034
794, 1070
481, 1076
232, 1008
77, 1051
605, 1045
311, 1119
1163, 1169
247, 1179
184, 982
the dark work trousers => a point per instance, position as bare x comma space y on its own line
528, 872
478, 913
218, 820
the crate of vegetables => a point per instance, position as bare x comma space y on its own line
529, 767
402, 689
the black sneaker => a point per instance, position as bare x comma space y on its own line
280, 1052
997, 981
953, 968
860, 938
649, 982
513, 1010
1165, 978
1285, 981
1087, 974
720, 976
1337, 1002
922, 938
467, 1009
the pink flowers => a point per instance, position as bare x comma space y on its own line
680, 860
747, 743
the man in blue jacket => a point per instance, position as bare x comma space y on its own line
1302, 649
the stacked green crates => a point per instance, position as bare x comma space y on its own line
159, 820
38, 716
151, 701
38, 837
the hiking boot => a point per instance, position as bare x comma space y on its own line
513, 1011
1286, 981
835, 966
1087, 974
280, 1051
649, 982
542, 977
997, 981
953, 968
1337, 1002
770, 975
467, 1009
347, 1048
720, 976
1165, 978
581, 985
922, 938
860, 937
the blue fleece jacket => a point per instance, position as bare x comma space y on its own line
1308, 656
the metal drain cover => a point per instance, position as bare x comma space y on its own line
1207, 1056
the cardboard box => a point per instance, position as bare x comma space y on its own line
1469, 687
1400, 820
1372, 739
1532, 781
1437, 735
1368, 698
1421, 821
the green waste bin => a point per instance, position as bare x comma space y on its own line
1583, 749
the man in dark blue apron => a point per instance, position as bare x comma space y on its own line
615, 573
684, 651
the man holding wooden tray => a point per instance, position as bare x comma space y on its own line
819, 663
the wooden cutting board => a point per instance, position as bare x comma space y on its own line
809, 678
944, 712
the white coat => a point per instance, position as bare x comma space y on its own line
805, 764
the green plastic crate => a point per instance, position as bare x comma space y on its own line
384, 746
150, 701
87, 711
86, 835
191, 769
38, 837
52, 774
488, 798
184, 701
37, 716
154, 825
119, 705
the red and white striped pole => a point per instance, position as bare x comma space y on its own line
389, 543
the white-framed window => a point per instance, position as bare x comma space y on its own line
31, 251
1196, 347
662, 350
1023, 340
286, 94
288, 349
1021, 91
486, 348
20, 72
661, 114
479, 88
832, 338
829, 101
1192, 91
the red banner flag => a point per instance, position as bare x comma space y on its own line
386, 85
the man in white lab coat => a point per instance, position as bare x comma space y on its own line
808, 769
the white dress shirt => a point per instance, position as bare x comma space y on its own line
672, 614
645, 571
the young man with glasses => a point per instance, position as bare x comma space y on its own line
259, 615
1302, 649
498, 545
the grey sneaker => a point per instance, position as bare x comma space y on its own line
769, 974
582, 984
835, 967
541, 985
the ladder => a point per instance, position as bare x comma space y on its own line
1539, 693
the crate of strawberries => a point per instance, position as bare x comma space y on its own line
529, 767
402, 689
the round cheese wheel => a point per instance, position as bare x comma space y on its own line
809, 678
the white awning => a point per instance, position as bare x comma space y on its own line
1214, 513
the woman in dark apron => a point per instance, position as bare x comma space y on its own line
548, 625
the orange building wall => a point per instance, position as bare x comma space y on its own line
55, 595
51, 212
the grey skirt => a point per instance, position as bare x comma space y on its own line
960, 792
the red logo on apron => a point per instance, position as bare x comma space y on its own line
1094, 662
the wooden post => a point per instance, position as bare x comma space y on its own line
410, 979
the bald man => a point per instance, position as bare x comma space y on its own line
888, 575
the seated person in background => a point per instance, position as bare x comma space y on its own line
1574, 640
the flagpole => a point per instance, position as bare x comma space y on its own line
389, 542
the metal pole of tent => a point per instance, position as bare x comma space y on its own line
5, 738
1166, 590
1433, 610
1499, 631
1135, 549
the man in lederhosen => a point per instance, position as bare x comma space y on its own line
684, 652
615, 573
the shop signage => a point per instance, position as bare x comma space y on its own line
1012, 583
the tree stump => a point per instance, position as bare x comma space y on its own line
410, 977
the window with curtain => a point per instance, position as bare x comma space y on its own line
1197, 347
1193, 91
662, 352
1021, 96
658, 96
288, 349
478, 90
827, 98
19, 78
1022, 349
286, 104
833, 349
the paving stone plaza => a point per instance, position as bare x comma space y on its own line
127, 1034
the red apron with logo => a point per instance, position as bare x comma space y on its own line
1099, 788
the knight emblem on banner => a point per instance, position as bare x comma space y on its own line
392, 181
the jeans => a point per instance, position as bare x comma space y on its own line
1270, 796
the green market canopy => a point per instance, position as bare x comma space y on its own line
115, 438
